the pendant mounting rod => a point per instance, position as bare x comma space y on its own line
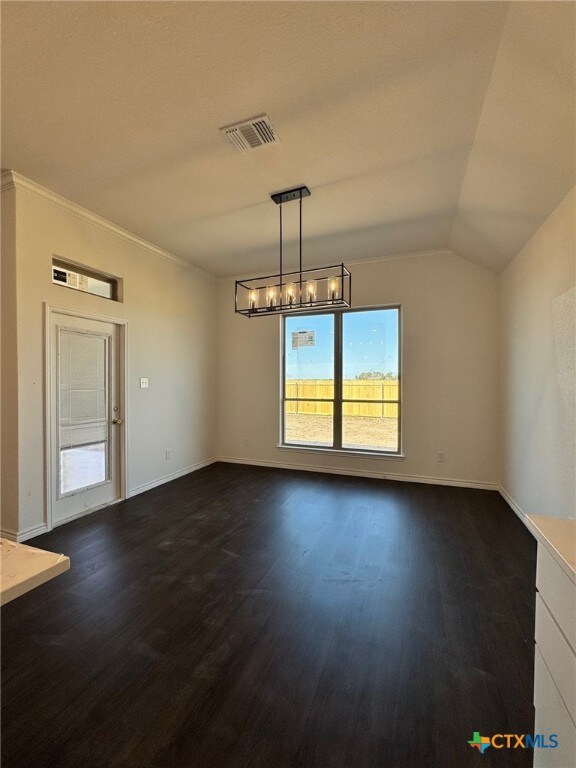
281, 238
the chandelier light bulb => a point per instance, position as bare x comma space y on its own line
271, 296
334, 288
311, 290
291, 294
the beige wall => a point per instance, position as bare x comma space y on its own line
538, 349
450, 329
170, 310
185, 337
9, 380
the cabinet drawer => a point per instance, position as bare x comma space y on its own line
559, 594
557, 654
552, 717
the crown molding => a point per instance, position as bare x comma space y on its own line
402, 256
11, 179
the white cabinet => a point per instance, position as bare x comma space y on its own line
555, 659
558, 592
552, 717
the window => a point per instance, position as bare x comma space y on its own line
85, 280
341, 382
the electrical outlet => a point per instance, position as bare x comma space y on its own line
246, 443
168, 454
144, 383
441, 456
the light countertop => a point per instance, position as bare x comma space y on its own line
23, 568
558, 535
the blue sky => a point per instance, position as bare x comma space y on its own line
370, 343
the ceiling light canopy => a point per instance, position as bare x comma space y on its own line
301, 290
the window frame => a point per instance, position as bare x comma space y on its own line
338, 400
65, 265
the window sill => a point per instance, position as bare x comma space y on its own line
341, 452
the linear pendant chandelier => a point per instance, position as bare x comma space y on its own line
303, 290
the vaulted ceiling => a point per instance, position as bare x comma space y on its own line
417, 126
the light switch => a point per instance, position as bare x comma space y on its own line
143, 383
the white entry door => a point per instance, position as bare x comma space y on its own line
86, 415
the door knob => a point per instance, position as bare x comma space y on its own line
117, 421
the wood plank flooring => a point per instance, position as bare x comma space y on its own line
244, 617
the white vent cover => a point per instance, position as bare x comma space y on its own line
251, 134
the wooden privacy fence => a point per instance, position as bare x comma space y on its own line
310, 392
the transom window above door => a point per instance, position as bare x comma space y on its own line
341, 381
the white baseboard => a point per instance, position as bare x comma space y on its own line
512, 504
172, 476
85, 513
27, 533
362, 473
36, 530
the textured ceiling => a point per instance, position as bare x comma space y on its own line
416, 125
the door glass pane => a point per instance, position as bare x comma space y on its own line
370, 426
82, 409
82, 467
309, 422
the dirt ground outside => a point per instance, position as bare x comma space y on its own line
358, 431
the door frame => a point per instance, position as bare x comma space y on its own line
123, 393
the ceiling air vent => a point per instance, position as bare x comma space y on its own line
251, 134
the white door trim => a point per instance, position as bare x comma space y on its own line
123, 372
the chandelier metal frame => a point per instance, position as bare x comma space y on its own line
297, 291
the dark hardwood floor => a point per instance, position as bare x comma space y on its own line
243, 616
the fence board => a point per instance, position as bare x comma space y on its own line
352, 389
